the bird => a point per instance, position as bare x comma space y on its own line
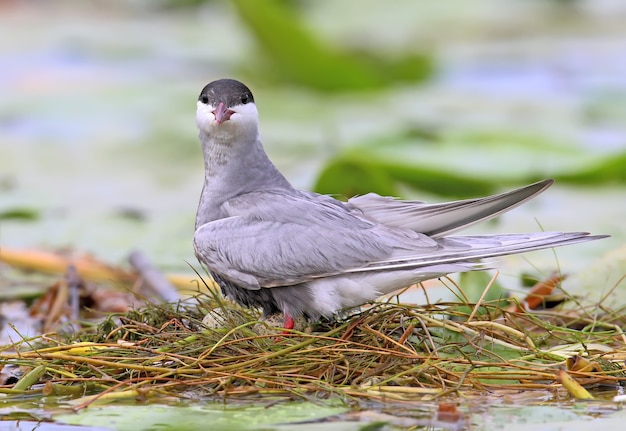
306, 255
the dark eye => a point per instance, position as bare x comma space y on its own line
204, 98
245, 99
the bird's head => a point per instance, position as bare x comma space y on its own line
226, 108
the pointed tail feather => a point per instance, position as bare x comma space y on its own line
439, 219
482, 247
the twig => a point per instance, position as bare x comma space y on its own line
153, 278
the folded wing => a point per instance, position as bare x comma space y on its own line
441, 219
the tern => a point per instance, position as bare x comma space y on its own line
303, 254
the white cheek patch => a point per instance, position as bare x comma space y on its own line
243, 123
204, 116
246, 119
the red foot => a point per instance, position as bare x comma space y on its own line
289, 323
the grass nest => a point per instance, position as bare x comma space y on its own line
386, 352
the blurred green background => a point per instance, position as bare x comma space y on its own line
418, 99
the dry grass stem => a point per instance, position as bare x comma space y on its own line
388, 352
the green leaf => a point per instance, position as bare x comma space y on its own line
214, 416
18, 213
611, 169
358, 174
295, 55
462, 165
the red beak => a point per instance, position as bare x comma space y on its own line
221, 113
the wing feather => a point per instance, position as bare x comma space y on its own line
444, 218
302, 238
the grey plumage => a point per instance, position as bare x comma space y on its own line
269, 245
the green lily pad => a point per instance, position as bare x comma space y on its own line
210, 416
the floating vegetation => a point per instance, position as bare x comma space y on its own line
385, 352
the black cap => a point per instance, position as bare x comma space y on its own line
228, 91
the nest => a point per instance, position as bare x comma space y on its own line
386, 352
